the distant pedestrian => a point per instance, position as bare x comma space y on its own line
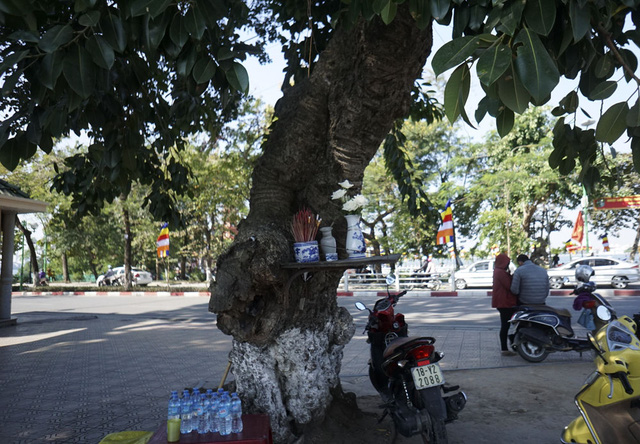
428, 266
555, 261
530, 282
503, 299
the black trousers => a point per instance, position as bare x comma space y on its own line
505, 315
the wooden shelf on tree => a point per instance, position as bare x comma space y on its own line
302, 268
342, 264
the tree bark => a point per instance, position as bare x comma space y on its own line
65, 268
288, 345
35, 269
127, 249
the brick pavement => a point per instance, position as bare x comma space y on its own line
74, 376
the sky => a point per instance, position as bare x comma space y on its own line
265, 81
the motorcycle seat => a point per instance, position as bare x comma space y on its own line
407, 342
559, 311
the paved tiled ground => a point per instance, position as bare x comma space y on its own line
75, 375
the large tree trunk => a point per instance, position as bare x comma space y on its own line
287, 346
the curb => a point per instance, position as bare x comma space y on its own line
112, 293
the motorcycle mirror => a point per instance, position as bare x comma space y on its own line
603, 313
596, 346
391, 279
360, 306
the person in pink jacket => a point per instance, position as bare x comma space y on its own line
503, 299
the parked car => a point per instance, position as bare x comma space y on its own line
115, 276
478, 274
607, 271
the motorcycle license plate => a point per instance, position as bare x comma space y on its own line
427, 376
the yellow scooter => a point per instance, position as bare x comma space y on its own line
609, 401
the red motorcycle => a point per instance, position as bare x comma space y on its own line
405, 372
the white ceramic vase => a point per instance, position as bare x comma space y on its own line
355, 240
328, 244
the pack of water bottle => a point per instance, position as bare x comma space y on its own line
207, 412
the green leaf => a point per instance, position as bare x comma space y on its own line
570, 102
513, 94
504, 121
114, 32
511, 17
389, 11
26, 36
195, 24
55, 37
50, 69
101, 52
612, 123
89, 19
493, 63
635, 152
178, 31
580, 20
13, 60
78, 71
603, 90
11, 152
203, 70
185, 63
633, 118
540, 15
156, 30
456, 92
604, 67
238, 77
453, 53
439, 8
535, 67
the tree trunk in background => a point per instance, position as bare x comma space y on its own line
287, 346
65, 268
35, 269
127, 249
634, 247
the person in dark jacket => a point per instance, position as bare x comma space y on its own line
503, 299
530, 282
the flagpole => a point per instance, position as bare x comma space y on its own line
585, 205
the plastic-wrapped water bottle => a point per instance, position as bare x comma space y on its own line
203, 414
213, 412
224, 416
195, 410
185, 412
236, 413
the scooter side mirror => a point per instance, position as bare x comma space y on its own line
596, 346
603, 313
360, 306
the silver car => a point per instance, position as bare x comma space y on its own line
607, 271
478, 274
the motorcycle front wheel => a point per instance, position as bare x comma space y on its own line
532, 352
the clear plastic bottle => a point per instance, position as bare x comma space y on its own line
195, 406
174, 406
236, 413
203, 414
224, 414
213, 412
185, 412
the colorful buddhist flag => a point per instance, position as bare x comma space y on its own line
163, 241
578, 229
570, 246
605, 242
445, 231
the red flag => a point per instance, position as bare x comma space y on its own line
578, 229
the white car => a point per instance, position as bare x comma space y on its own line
478, 274
115, 276
607, 271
